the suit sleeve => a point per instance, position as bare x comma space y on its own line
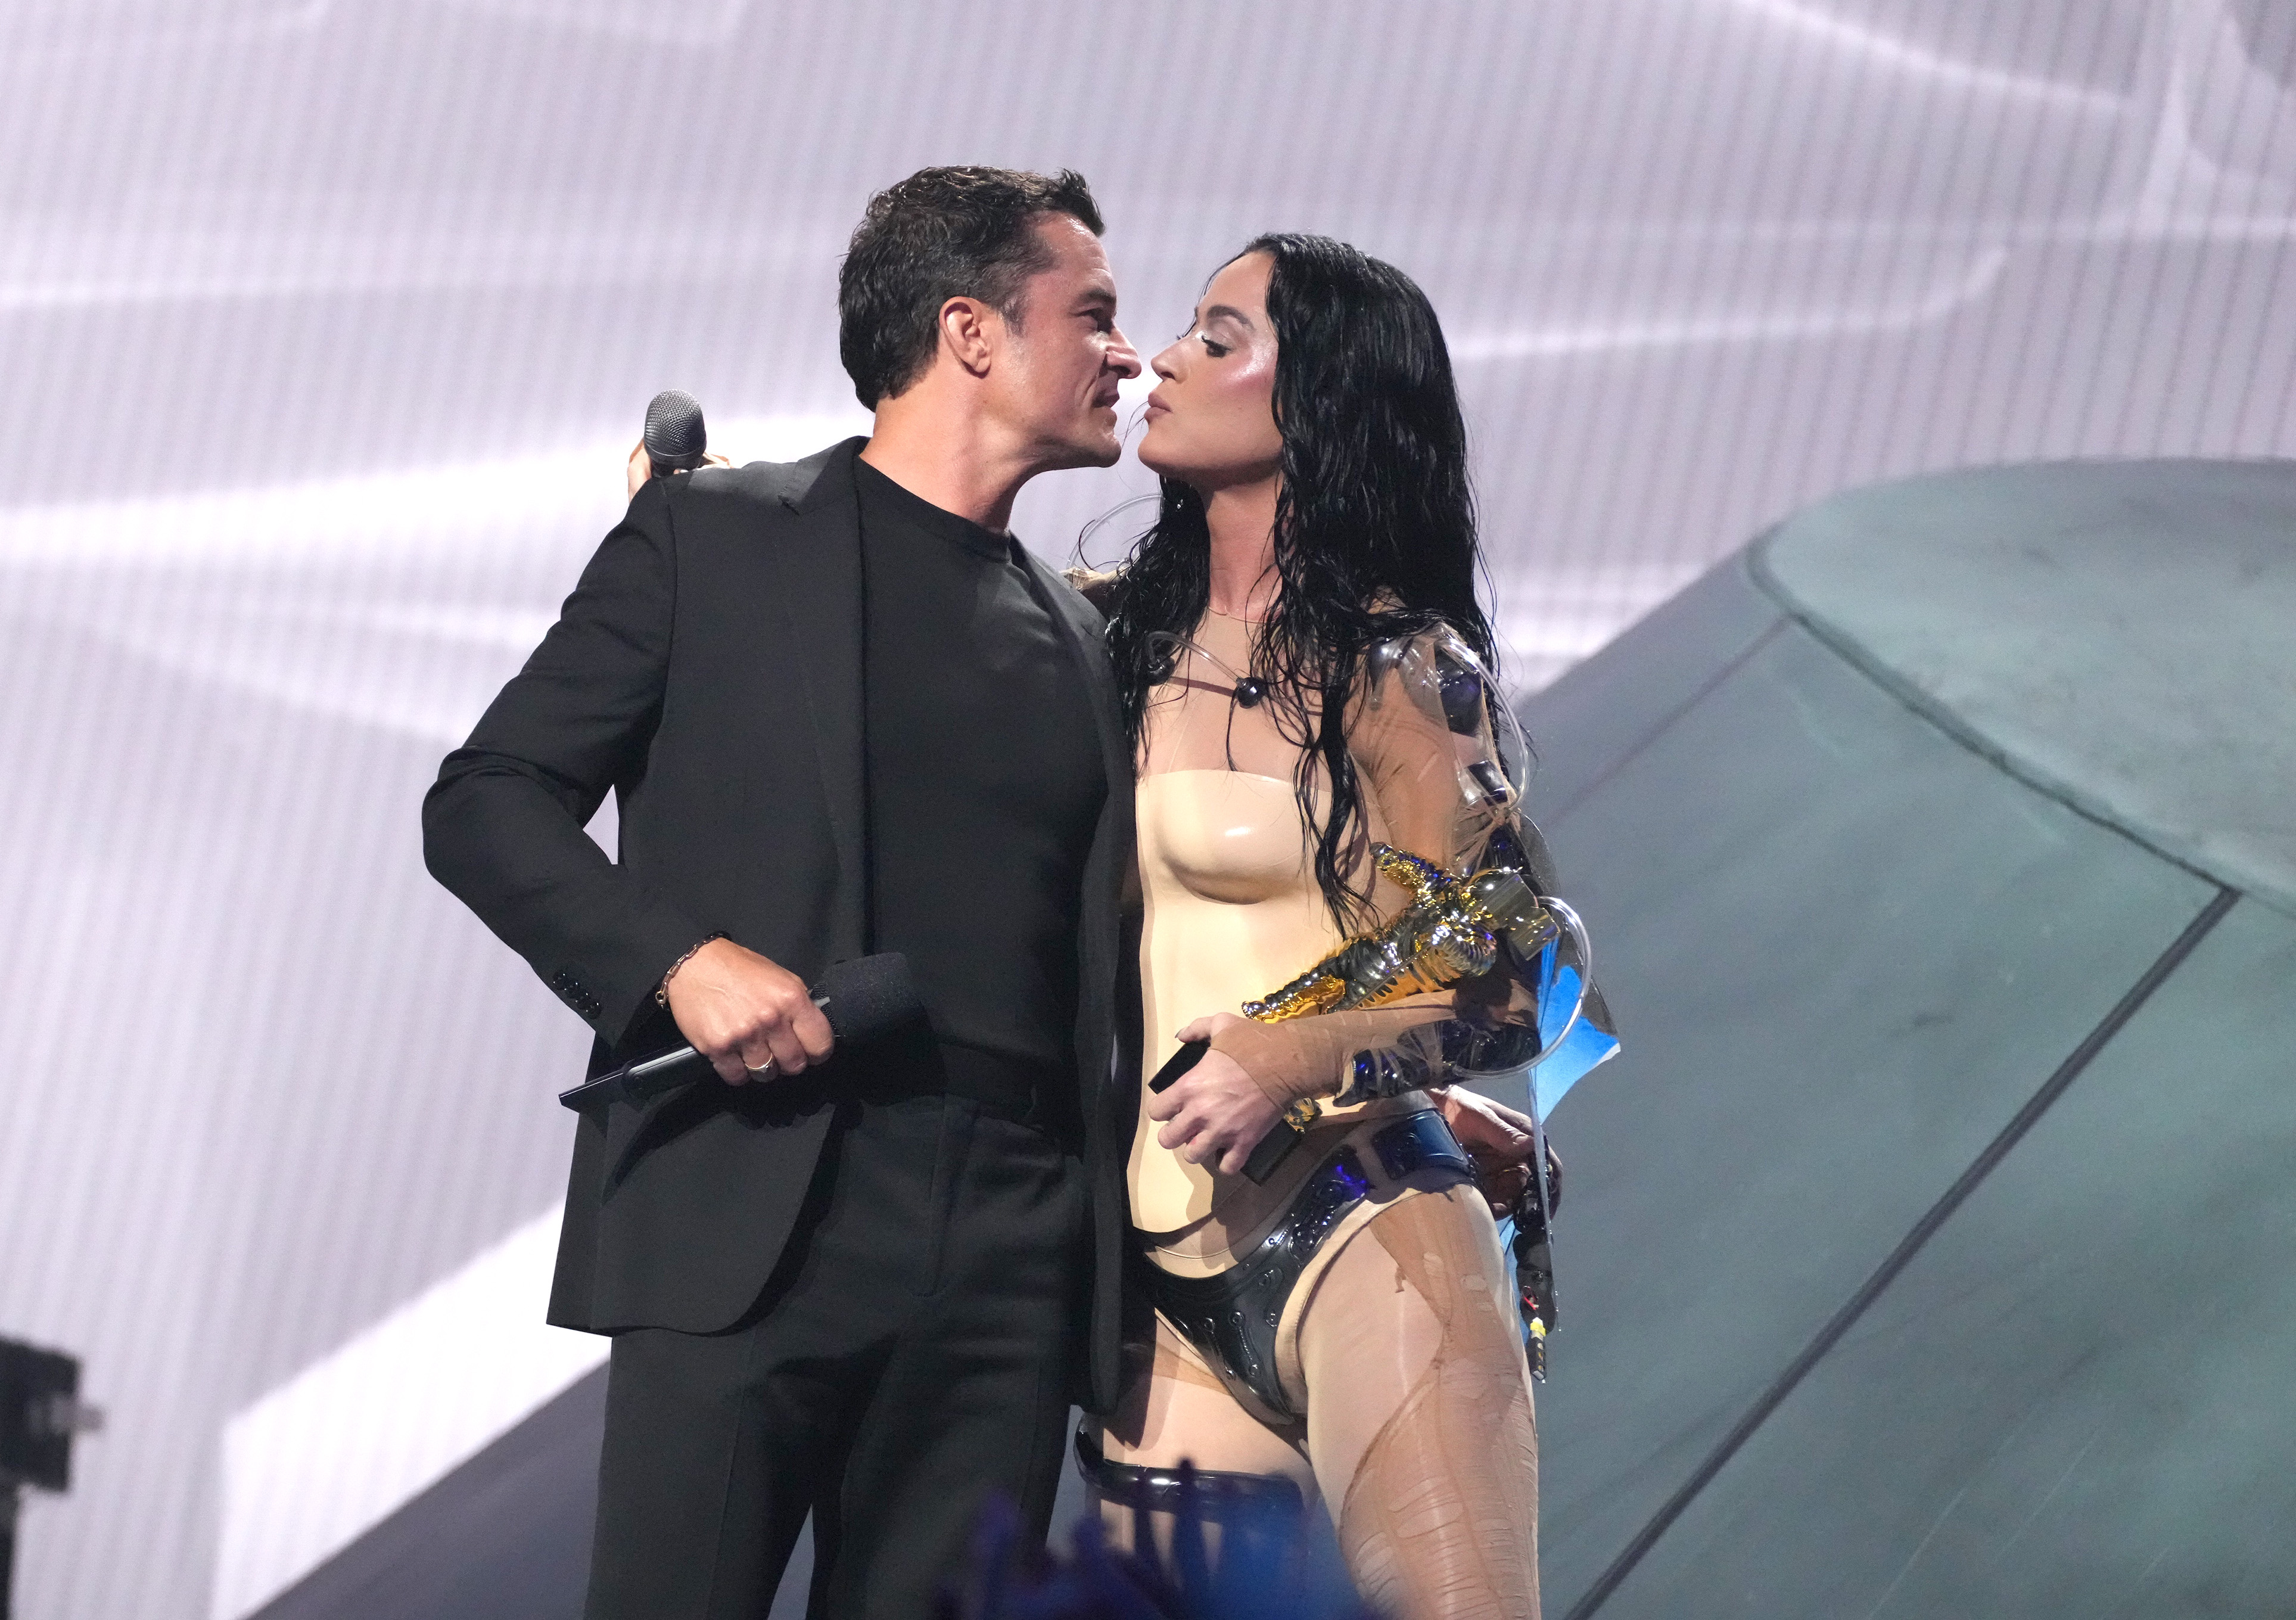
502, 826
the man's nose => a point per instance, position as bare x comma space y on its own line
1122, 357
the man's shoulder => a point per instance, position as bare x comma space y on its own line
762, 487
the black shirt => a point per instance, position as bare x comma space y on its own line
985, 785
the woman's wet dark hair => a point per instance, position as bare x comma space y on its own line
1374, 523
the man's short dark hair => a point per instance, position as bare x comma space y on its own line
941, 234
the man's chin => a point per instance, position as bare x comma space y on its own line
1098, 451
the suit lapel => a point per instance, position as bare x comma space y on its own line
1103, 958
818, 563
1088, 645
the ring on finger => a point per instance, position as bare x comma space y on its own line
759, 1070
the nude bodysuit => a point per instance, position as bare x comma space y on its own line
1230, 910
1400, 1344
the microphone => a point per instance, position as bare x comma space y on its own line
675, 441
863, 998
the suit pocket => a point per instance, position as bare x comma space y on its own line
631, 1130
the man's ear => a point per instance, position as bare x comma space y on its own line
970, 331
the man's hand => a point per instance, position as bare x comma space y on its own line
1499, 1140
1216, 1112
742, 1012
640, 467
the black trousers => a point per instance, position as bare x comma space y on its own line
912, 1354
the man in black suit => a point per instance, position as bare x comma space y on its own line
843, 712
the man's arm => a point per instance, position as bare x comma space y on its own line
502, 826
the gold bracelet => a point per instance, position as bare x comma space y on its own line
661, 991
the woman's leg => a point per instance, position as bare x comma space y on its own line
1175, 1409
1419, 1414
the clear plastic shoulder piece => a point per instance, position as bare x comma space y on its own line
1447, 691
1429, 698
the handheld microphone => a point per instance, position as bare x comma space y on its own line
676, 441
863, 998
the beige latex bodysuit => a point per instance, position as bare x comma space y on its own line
1400, 1344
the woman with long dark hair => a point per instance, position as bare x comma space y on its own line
1307, 672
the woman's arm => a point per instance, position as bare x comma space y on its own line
1433, 780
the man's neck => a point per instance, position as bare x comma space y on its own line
951, 457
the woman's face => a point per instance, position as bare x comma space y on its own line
1212, 419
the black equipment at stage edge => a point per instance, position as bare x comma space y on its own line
40, 1412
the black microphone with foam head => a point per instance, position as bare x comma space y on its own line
676, 441
862, 1000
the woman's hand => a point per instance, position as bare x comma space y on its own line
640, 467
1500, 1141
1216, 1112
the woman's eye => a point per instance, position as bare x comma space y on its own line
1218, 351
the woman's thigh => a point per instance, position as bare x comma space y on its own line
1175, 1409
1419, 1413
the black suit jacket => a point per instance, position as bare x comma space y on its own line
707, 669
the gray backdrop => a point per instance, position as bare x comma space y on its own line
323, 327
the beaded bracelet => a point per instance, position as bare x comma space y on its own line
661, 991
